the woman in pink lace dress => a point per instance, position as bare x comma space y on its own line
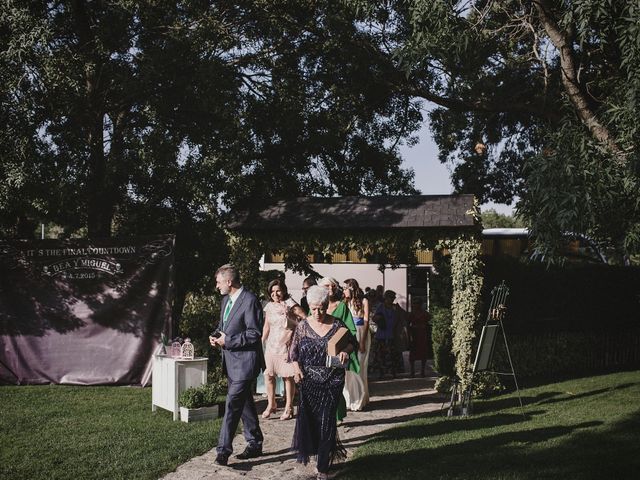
281, 316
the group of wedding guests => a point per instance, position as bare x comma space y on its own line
282, 315
295, 339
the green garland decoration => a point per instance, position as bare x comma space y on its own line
466, 276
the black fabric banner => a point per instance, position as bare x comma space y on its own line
83, 312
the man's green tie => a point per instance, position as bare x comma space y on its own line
226, 313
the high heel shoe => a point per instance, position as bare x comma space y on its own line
267, 413
287, 414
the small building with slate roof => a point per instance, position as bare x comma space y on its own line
321, 214
381, 212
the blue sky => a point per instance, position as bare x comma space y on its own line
433, 177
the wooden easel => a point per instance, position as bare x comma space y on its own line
490, 332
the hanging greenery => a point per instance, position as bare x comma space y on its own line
466, 277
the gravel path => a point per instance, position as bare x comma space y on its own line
392, 402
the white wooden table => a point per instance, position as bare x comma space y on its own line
172, 376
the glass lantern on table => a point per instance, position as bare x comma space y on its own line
187, 349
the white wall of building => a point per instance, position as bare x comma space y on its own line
366, 274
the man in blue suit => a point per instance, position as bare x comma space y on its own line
240, 330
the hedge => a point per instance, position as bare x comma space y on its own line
573, 298
443, 359
564, 353
572, 319
560, 320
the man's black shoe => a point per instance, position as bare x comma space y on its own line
249, 453
221, 459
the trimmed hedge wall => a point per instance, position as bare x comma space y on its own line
560, 320
561, 353
575, 298
572, 319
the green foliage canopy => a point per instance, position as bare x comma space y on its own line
533, 98
129, 117
493, 219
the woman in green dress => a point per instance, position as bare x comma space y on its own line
340, 310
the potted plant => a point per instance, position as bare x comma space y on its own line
200, 403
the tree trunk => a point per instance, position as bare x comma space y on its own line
570, 82
100, 206
176, 311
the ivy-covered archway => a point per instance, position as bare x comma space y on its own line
390, 248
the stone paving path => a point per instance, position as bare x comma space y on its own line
392, 402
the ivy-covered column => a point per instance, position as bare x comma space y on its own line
466, 277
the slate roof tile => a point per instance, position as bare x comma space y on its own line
389, 212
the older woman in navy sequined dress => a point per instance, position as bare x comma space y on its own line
320, 386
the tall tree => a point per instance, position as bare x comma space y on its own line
124, 98
107, 91
493, 219
536, 98
124, 117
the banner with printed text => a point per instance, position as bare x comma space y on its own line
83, 312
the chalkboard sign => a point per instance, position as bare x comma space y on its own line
486, 347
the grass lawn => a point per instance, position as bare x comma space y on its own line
93, 432
579, 429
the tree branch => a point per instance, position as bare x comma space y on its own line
397, 79
571, 84
462, 105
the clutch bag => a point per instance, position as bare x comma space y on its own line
333, 361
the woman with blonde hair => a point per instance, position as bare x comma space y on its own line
357, 392
281, 316
321, 387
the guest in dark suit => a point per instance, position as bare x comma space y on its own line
240, 329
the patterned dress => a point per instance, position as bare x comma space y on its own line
386, 356
320, 390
